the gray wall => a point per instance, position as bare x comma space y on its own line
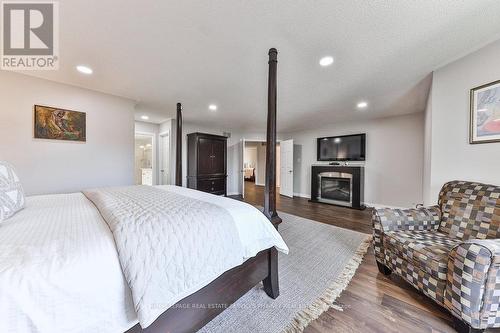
53, 166
451, 156
393, 169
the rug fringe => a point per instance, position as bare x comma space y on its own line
324, 302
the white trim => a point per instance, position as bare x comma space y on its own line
377, 206
233, 193
302, 195
257, 184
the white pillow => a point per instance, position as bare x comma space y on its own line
11, 192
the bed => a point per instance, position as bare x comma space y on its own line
60, 270
249, 174
103, 260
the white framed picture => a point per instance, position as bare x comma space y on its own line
485, 113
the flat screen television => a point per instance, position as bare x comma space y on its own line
342, 148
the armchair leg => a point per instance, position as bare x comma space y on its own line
463, 327
383, 269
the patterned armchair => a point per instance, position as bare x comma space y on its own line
450, 252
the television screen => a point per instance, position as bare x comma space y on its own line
342, 148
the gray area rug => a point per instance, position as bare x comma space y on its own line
321, 262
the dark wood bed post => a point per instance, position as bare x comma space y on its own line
271, 282
178, 148
270, 190
230, 286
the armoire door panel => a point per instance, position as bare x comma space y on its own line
218, 158
205, 156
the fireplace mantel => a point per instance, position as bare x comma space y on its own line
342, 175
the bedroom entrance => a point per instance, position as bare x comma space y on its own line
254, 167
144, 159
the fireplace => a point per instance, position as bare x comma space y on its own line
335, 188
341, 185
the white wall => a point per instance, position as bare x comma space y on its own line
53, 166
394, 153
261, 165
251, 156
451, 155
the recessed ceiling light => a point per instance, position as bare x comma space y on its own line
362, 105
212, 107
326, 61
84, 69
144, 117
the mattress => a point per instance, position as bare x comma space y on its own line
59, 267
59, 270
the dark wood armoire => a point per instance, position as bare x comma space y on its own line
207, 163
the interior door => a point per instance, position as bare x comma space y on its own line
164, 159
286, 169
242, 166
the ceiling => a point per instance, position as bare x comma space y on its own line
158, 53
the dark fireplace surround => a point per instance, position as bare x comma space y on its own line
338, 185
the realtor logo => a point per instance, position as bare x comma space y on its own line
30, 35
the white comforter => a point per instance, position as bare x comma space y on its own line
59, 267
59, 270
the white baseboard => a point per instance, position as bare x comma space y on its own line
258, 184
302, 195
233, 193
377, 206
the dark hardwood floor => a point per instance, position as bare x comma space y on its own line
371, 302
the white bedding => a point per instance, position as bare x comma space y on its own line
59, 268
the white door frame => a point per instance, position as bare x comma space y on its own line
153, 153
242, 175
160, 157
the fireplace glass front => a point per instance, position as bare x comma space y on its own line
335, 188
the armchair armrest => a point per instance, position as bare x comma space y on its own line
473, 282
387, 219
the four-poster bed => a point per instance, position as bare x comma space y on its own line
197, 309
114, 259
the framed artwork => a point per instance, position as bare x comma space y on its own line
59, 124
485, 113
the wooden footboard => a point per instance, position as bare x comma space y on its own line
196, 310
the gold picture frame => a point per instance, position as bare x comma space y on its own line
59, 124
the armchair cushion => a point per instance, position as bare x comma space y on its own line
386, 220
427, 250
473, 288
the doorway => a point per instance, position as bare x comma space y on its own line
254, 166
144, 159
